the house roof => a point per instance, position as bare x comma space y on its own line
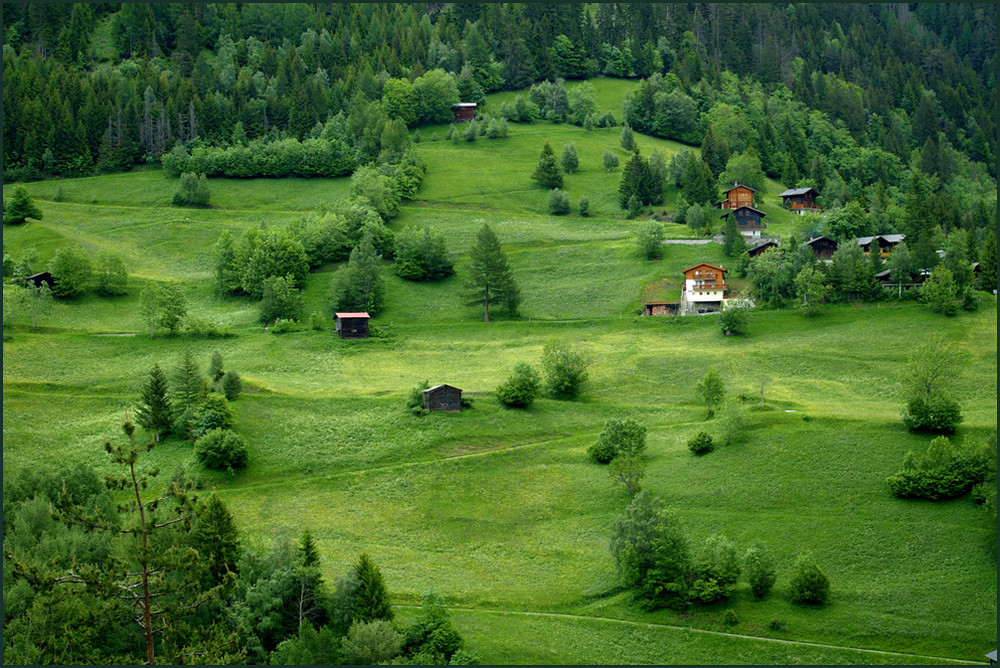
661, 303
726, 214
703, 264
352, 315
797, 191
740, 185
463, 104
438, 387
889, 238
992, 656
760, 248
815, 239
883, 274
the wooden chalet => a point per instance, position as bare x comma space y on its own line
352, 325
661, 308
737, 196
443, 398
464, 111
800, 200
760, 248
885, 243
822, 247
704, 289
749, 220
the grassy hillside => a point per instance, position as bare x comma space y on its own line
500, 510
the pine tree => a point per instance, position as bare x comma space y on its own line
634, 181
628, 138
188, 390
547, 172
20, 207
490, 277
733, 243
309, 601
371, 600
215, 370
714, 151
570, 160
216, 538
988, 263
155, 411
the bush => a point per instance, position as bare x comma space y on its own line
558, 202
809, 585
112, 276
371, 643
716, 571
943, 471
71, 272
421, 255
937, 414
415, 400
316, 321
565, 370
701, 443
733, 321
584, 206
759, 568
193, 191
610, 161
20, 207
284, 326
280, 300
730, 618
618, 436
221, 449
650, 240
521, 388
232, 385
776, 625
213, 413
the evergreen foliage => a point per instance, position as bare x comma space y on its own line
20, 207
701, 443
155, 412
610, 160
570, 160
421, 255
221, 448
359, 286
371, 600
231, 385
558, 202
809, 585
547, 172
216, 538
490, 279
215, 368
733, 243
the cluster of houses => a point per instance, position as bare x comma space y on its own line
739, 203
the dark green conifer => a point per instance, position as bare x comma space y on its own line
371, 600
155, 411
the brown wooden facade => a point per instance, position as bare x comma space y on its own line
748, 219
800, 199
760, 248
661, 308
823, 247
885, 243
707, 277
464, 111
443, 398
352, 325
738, 196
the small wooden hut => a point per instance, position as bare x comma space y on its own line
352, 325
443, 398
464, 111
38, 279
661, 308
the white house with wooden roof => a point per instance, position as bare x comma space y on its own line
704, 289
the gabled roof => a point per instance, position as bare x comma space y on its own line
352, 315
893, 238
438, 387
797, 191
463, 104
883, 274
814, 240
703, 264
740, 185
992, 656
726, 214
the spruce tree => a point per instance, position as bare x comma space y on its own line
570, 160
988, 263
371, 600
547, 172
216, 538
733, 243
310, 599
628, 138
215, 370
490, 278
155, 412
188, 390
714, 151
633, 178
20, 207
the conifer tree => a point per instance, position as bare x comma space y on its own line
733, 242
714, 151
215, 370
570, 160
547, 172
216, 538
628, 138
310, 603
371, 600
988, 263
359, 285
490, 278
20, 207
188, 390
155, 412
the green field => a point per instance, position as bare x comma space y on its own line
500, 510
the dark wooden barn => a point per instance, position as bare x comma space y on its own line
661, 308
800, 200
749, 220
352, 325
885, 243
38, 279
443, 398
464, 111
760, 248
737, 196
823, 247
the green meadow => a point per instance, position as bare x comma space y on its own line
500, 511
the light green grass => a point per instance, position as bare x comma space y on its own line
499, 510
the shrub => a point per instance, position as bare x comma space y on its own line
112, 276
733, 321
776, 625
558, 202
730, 618
634, 206
221, 449
701, 443
20, 207
193, 191
521, 388
371, 643
584, 206
215, 367
280, 300
618, 436
415, 400
650, 240
936, 414
610, 161
213, 413
759, 568
316, 321
809, 585
71, 272
421, 255
232, 385
284, 326
565, 370
943, 471
716, 571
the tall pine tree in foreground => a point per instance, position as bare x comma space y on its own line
371, 600
490, 278
155, 412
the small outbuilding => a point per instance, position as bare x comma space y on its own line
885, 243
761, 247
661, 308
800, 200
464, 111
38, 279
443, 398
352, 325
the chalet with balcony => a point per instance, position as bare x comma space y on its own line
737, 196
885, 243
749, 221
800, 200
823, 248
704, 289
